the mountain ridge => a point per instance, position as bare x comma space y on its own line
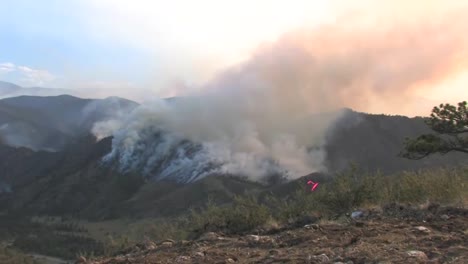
8, 89
49, 123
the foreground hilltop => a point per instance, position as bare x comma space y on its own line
394, 234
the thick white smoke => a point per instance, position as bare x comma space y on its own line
222, 131
266, 116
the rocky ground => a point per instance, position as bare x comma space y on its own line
393, 234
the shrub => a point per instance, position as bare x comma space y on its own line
440, 186
244, 214
351, 189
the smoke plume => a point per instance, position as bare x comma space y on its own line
270, 114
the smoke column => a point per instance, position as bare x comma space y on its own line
270, 114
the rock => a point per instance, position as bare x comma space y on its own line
422, 229
81, 259
417, 254
169, 240
150, 245
253, 238
444, 217
180, 259
230, 260
167, 244
210, 236
184, 242
322, 258
357, 214
259, 239
200, 255
312, 226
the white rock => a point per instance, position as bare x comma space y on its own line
200, 254
417, 254
167, 244
210, 236
253, 238
150, 245
422, 229
357, 214
182, 259
259, 239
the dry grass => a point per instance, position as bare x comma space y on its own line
348, 191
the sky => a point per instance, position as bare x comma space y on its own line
134, 42
141, 47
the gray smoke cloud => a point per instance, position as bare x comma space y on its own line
235, 133
266, 116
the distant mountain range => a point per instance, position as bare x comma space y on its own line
97, 90
11, 90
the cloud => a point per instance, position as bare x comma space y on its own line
6, 67
26, 75
35, 76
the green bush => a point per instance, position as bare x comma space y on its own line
300, 204
440, 186
351, 189
244, 214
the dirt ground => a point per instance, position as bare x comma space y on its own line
393, 234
